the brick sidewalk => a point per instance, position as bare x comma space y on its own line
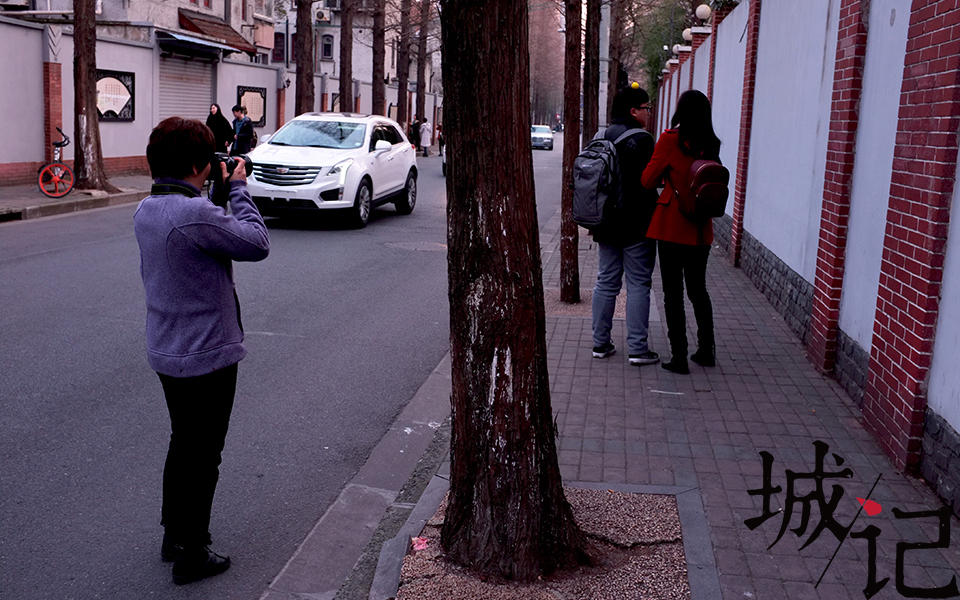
25, 201
623, 424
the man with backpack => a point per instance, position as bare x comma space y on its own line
622, 211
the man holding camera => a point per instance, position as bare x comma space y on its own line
194, 334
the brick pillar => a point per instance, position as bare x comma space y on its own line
52, 107
746, 125
663, 110
281, 106
700, 35
718, 16
323, 103
914, 244
841, 146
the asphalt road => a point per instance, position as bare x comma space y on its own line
342, 327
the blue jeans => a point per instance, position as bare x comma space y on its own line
636, 262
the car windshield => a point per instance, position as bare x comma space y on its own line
539, 129
320, 134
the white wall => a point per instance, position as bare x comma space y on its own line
728, 89
683, 78
122, 138
791, 119
701, 66
232, 74
22, 100
876, 136
943, 395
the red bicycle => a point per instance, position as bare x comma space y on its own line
56, 179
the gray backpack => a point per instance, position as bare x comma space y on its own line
596, 181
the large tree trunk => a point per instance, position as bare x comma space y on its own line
569, 233
422, 59
378, 95
615, 51
88, 156
303, 42
591, 72
403, 66
507, 514
346, 56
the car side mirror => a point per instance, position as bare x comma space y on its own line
382, 146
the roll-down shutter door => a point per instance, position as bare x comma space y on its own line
186, 88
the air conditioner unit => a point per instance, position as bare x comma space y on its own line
323, 16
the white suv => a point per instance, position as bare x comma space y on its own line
334, 161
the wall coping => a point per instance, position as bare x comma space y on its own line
703, 30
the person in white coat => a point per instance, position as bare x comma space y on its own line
426, 129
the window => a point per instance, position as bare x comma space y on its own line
279, 42
392, 135
207, 3
321, 134
326, 47
243, 9
332, 4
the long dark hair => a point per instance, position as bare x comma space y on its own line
217, 118
695, 126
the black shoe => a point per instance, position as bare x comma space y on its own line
169, 549
604, 350
644, 358
198, 563
678, 366
704, 359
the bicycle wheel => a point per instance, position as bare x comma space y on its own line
55, 180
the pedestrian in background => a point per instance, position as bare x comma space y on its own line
622, 246
242, 131
221, 128
414, 132
194, 334
440, 140
426, 133
683, 244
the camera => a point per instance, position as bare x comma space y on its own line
219, 193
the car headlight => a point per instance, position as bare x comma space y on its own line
341, 169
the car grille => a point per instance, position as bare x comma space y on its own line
285, 175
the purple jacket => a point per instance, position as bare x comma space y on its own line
187, 245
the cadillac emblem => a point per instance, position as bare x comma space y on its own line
283, 170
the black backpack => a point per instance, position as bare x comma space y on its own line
597, 197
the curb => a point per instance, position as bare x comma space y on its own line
86, 202
326, 557
702, 575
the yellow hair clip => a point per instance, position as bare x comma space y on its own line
635, 85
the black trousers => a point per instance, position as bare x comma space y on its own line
681, 263
199, 416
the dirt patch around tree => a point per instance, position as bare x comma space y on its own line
634, 540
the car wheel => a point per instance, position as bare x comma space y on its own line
408, 198
362, 205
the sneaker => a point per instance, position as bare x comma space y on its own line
198, 563
644, 358
604, 350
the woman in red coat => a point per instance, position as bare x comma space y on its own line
683, 245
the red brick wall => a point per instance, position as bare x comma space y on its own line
26, 172
746, 125
911, 271
52, 107
281, 106
841, 146
718, 16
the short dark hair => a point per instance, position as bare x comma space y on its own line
177, 146
237, 108
627, 98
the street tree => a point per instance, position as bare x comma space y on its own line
506, 515
569, 232
615, 74
591, 71
304, 53
403, 64
346, 55
88, 157
378, 94
422, 58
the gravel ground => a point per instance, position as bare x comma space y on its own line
634, 540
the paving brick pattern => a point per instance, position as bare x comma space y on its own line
623, 424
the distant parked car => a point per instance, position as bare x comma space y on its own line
541, 137
334, 161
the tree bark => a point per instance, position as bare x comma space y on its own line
346, 56
378, 94
422, 58
507, 515
615, 51
88, 156
304, 53
591, 72
569, 232
403, 66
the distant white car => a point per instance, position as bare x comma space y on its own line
334, 161
541, 137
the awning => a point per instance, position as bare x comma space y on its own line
186, 40
218, 29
